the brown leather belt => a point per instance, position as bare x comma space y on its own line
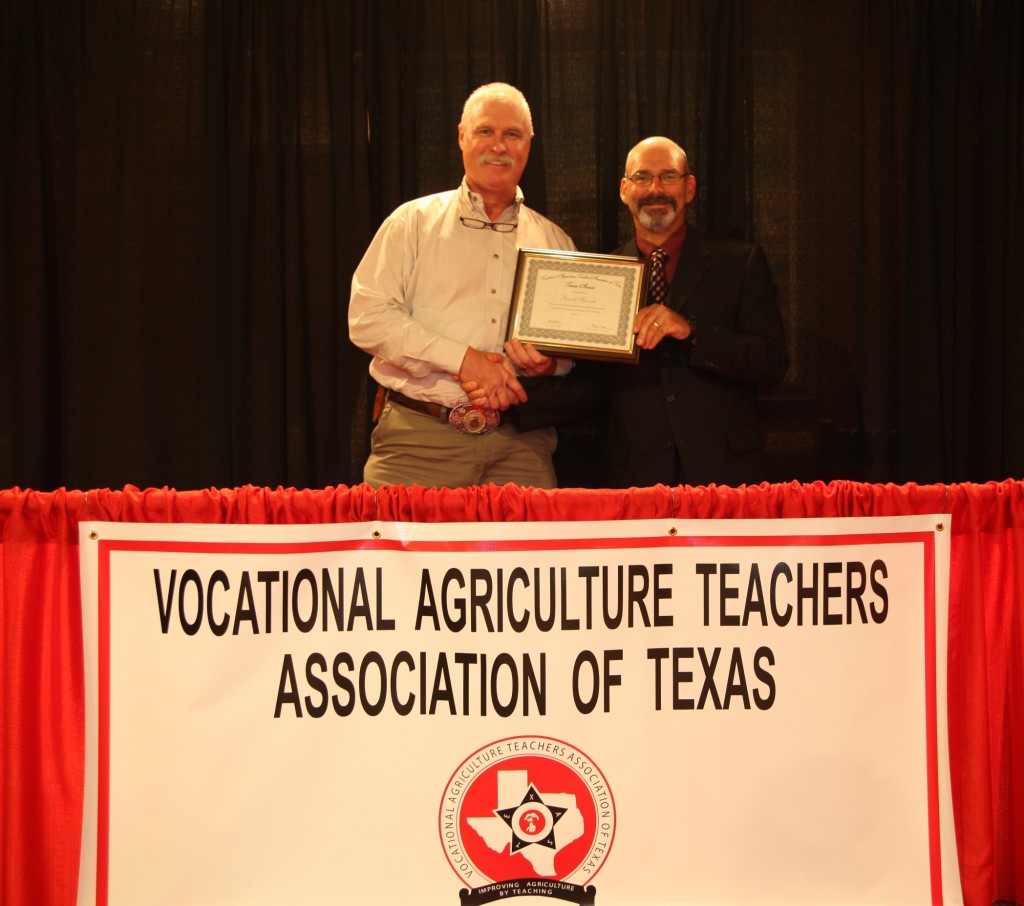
434, 410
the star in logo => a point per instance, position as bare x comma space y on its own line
532, 821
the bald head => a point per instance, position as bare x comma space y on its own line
657, 187
658, 145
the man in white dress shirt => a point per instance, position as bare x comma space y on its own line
430, 302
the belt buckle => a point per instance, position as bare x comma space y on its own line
469, 419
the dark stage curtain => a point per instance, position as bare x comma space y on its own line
186, 187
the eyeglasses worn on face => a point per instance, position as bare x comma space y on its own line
668, 178
475, 224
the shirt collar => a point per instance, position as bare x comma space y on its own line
672, 245
475, 203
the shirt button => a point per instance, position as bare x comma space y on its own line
495, 255
493, 291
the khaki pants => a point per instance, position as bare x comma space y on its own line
410, 447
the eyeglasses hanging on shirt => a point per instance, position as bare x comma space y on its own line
498, 227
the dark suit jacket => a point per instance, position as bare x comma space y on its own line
695, 400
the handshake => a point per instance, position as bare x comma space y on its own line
490, 380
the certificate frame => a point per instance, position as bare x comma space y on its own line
578, 305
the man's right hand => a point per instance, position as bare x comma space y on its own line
477, 395
493, 380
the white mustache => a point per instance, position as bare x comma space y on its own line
504, 159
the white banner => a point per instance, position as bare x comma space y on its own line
618, 713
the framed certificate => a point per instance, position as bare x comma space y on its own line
577, 305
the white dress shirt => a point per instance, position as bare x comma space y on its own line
429, 287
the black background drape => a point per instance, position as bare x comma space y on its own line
186, 188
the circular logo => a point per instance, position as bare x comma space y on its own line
527, 807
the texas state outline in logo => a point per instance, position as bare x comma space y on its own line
527, 815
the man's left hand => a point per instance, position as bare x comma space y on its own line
528, 361
655, 322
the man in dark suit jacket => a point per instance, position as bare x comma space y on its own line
686, 412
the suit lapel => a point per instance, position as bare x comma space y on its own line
694, 263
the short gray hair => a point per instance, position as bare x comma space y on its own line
496, 90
